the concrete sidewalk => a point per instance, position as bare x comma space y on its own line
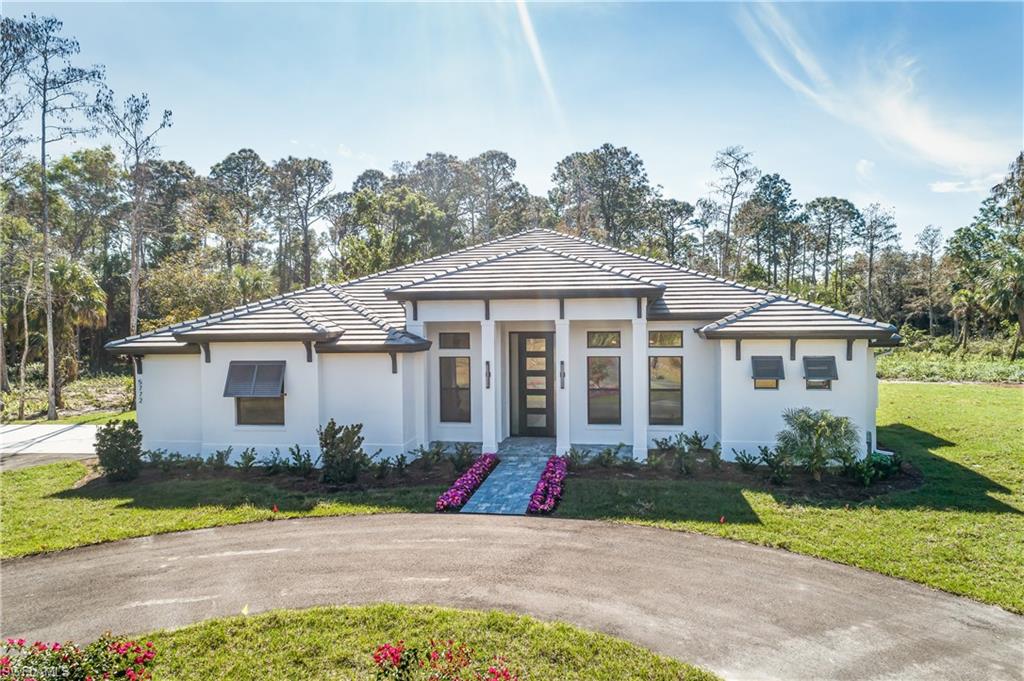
32, 444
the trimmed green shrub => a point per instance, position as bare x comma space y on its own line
300, 462
746, 460
778, 464
341, 451
247, 459
463, 457
218, 461
119, 448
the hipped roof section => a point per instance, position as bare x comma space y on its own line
366, 315
528, 272
786, 317
321, 314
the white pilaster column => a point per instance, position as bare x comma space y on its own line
488, 389
640, 397
419, 384
563, 431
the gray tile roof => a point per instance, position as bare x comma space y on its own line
364, 314
528, 271
788, 317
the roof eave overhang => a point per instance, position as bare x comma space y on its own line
261, 337
712, 315
823, 334
511, 294
331, 348
187, 349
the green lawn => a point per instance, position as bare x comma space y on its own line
43, 512
93, 418
961, 531
338, 643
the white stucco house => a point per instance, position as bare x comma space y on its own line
538, 333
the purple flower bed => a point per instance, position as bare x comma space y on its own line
462, 489
549, 488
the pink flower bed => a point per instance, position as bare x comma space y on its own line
462, 489
107, 658
442, 661
549, 488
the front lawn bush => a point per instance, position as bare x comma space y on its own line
817, 438
119, 448
106, 658
341, 452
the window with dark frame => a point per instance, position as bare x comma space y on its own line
258, 390
259, 411
664, 339
455, 396
604, 339
604, 391
665, 390
767, 371
819, 372
453, 341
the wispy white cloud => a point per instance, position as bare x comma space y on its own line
865, 169
879, 97
530, 35
346, 152
978, 185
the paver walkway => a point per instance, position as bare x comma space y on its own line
507, 490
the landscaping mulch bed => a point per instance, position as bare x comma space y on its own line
416, 474
800, 483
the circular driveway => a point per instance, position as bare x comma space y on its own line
744, 611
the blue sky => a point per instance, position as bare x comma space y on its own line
917, 106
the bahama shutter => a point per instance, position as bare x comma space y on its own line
767, 368
820, 369
255, 379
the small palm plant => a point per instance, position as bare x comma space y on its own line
817, 438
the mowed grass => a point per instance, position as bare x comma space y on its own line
92, 418
338, 643
961, 531
43, 511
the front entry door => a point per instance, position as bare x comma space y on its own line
536, 384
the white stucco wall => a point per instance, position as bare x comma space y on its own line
700, 381
599, 434
301, 404
753, 417
448, 431
360, 388
168, 406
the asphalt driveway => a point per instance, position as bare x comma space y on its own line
33, 444
744, 611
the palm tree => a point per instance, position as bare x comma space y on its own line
965, 304
816, 438
1004, 285
78, 301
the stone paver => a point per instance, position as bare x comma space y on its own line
507, 490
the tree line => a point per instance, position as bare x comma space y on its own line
113, 239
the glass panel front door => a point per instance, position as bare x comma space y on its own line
536, 384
